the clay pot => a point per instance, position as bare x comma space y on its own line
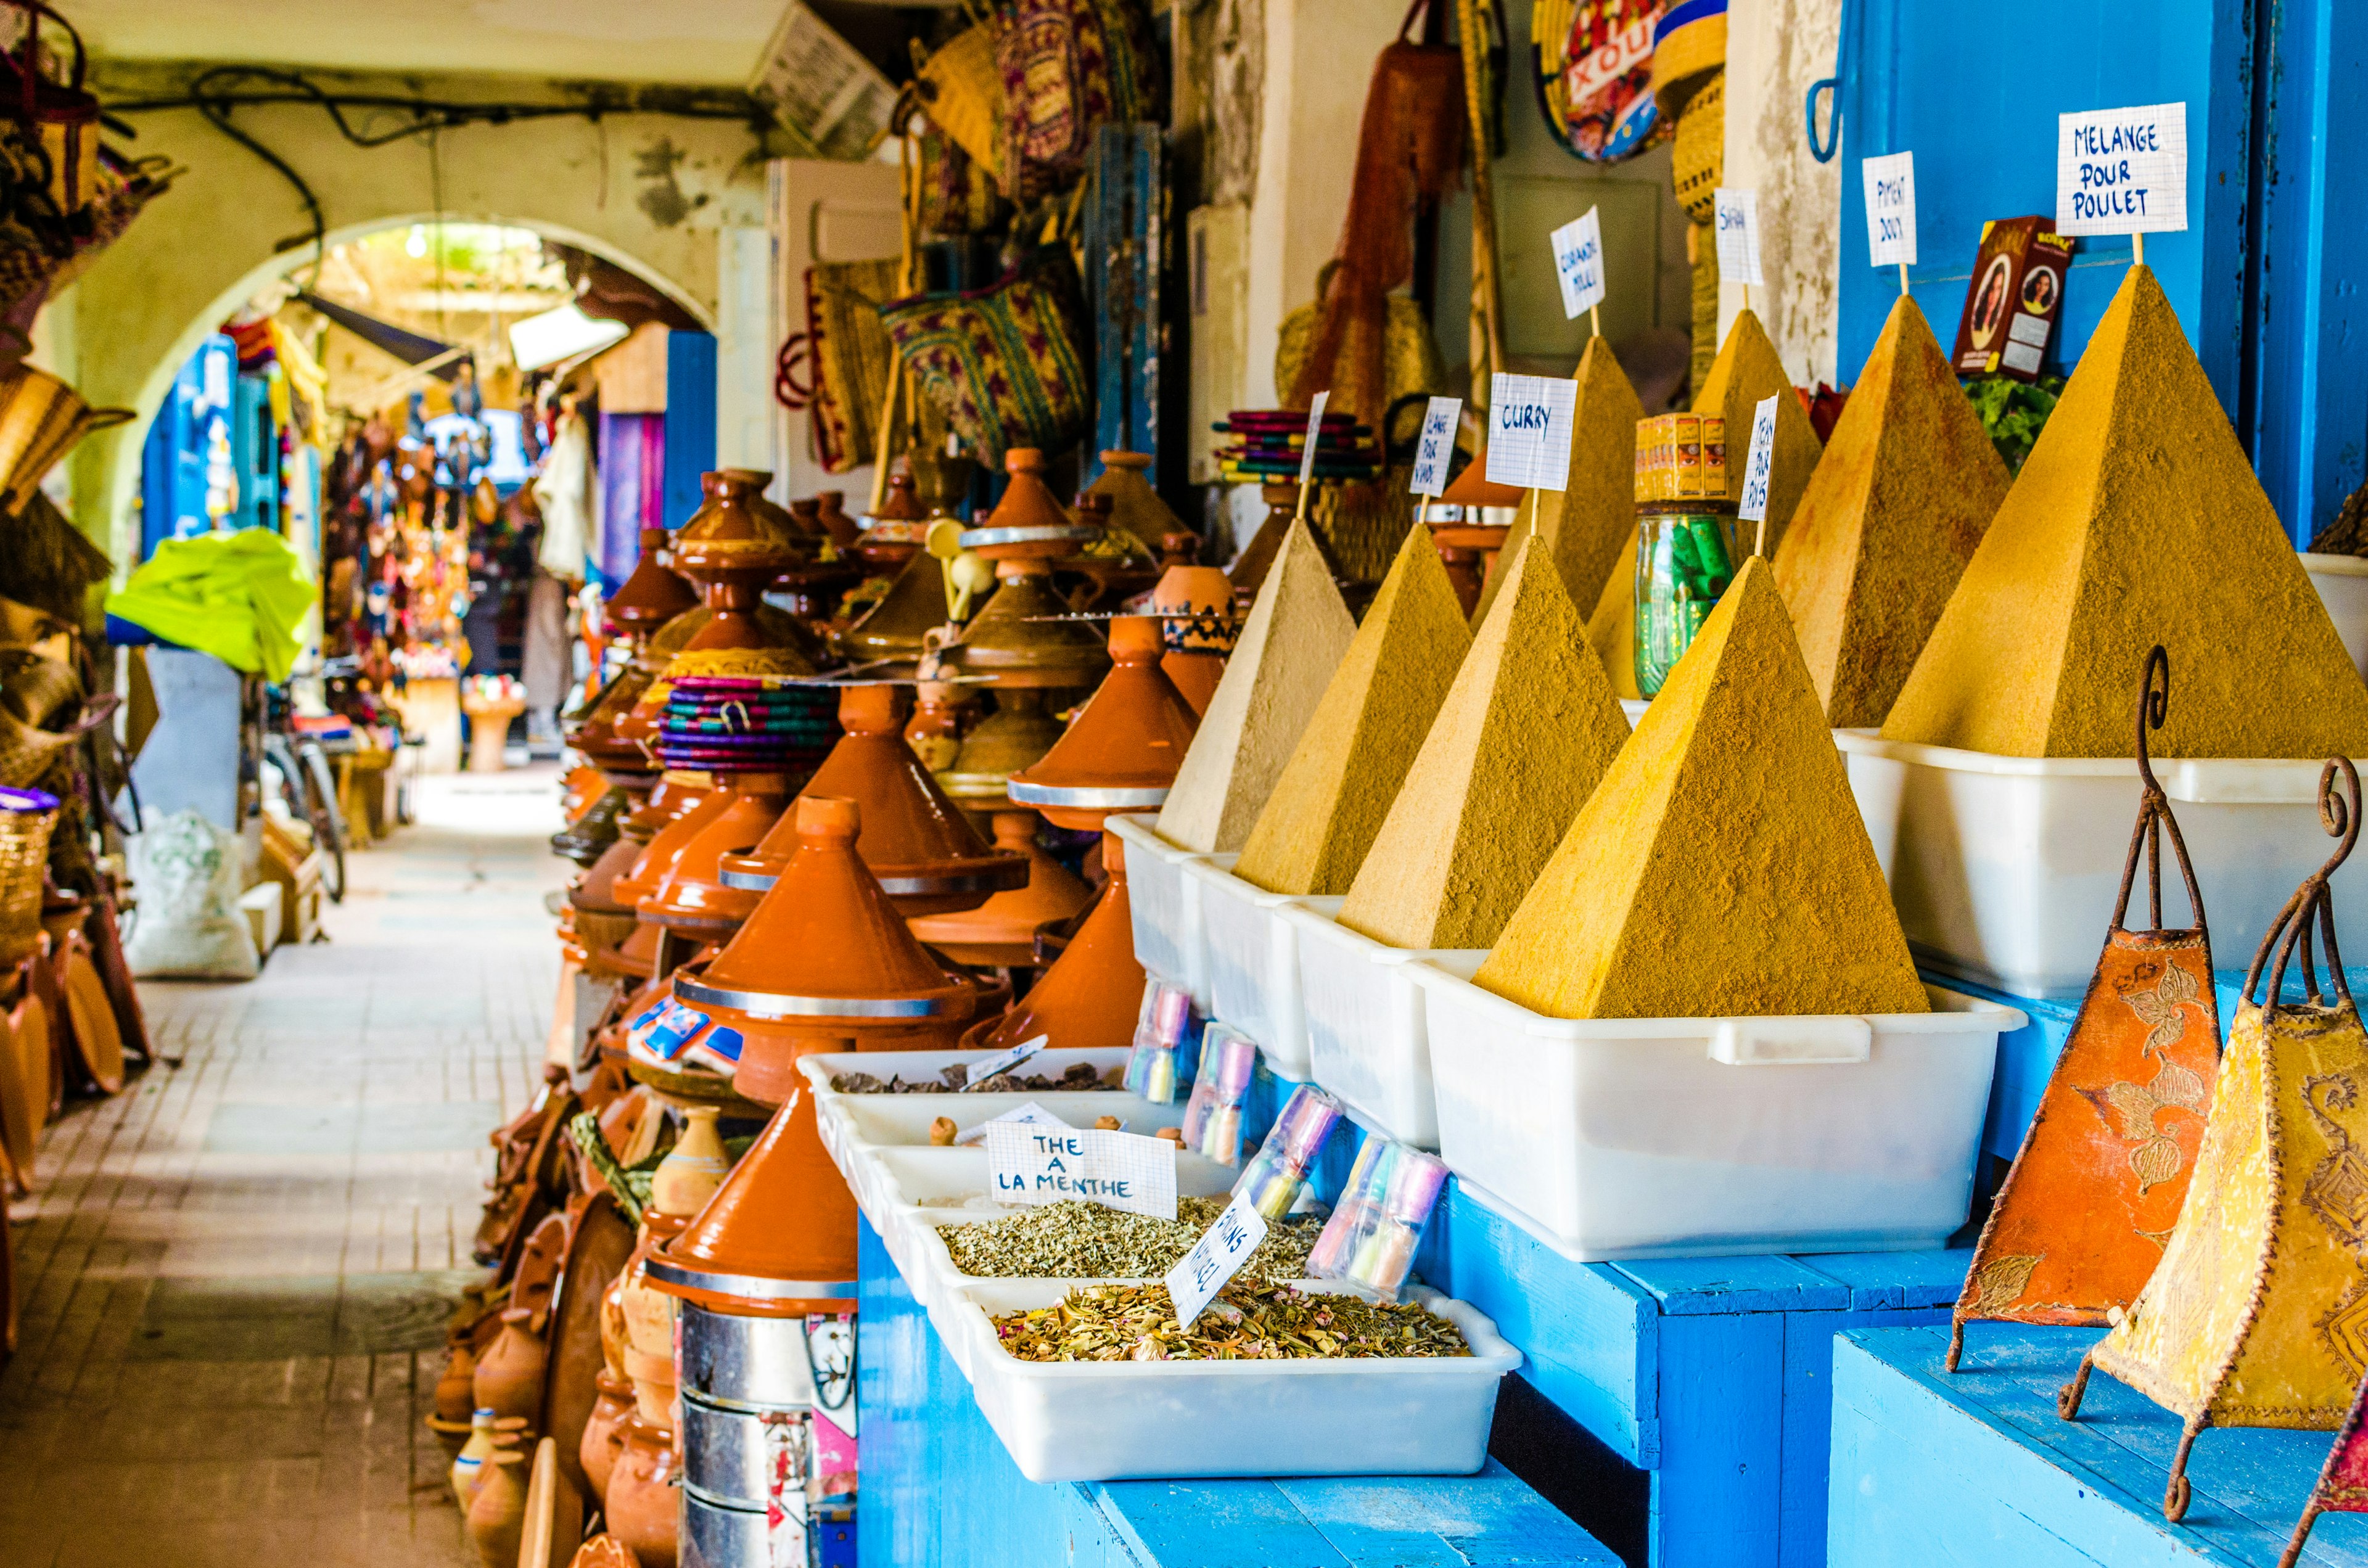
497, 1513
934, 732
898, 625
831, 512
893, 533
665, 845
692, 897
1001, 931
1196, 648
468, 1465
1089, 996
1135, 506
456, 1390
1010, 640
604, 1431
693, 1168
779, 1239
1122, 752
915, 841
508, 1379
649, 1315
1015, 734
732, 550
652, 595
644, 1495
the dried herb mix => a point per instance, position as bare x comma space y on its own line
1080, 1075
1246, 1322
1085, 1241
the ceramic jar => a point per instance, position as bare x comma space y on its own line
509, 1379
456, 1395
604, 1430
468, 1465
497, 1513
691, 1172
644, 1496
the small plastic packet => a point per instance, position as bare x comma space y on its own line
1371, 1238
1152, 1070
1277, 1175
1221, 1093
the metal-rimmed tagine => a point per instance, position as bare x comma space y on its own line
692, 899
825, 963
1016, 639
1001, 932
1197, 627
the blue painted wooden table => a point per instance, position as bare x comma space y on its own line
1976, 1469
938, 1491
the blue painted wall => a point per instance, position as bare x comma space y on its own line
689, 423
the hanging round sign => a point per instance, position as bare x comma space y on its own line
1595, 75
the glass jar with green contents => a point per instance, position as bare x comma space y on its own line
1685, 558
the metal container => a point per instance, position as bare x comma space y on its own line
717, 1535
724, 1452
745, 1363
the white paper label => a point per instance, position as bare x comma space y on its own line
1530, 420
1891, 209
1437, 446
1760, 466
1031, 1165
1216, 1257
1003, 1062
1030, 1115
1315, 424
2122, 171
1739, 237
1579, 262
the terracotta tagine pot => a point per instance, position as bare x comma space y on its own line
825, 963
894, 532
1248, 571
657, 858
1115, 564
692, 898
644, 1502
1136, 510
1014, 735
604, 1434
1197, 628
941, 712
651, 594
1469, 544
675, 792
1014, 640
586, 838
778, 1240
1001, 931
1091, 994
1121, 751
919, 844
732, 552
900, 624
509, 1376
497, 1513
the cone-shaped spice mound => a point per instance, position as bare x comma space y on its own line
1293, 641
1893, 513
1527, 728
2136, 520
1612, 629
1746, 372
1595, 515
1719, 869
1338, 786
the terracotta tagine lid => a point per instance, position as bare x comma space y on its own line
1136, 510
732, 550
927, 858
586, 838
667, 845
1121, 751
893, 534
803, 538
1015, 734
1089, 997
651, 594
825, 960
1016, 639
1197, 627
1116, 562
777, 1239
675, 792
692, 897
1001, 931
898, 625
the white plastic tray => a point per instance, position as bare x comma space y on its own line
1118, 1420
1166, 905
1682, 1137
1254, 962
2342, 585
1367, 1041
2006, 866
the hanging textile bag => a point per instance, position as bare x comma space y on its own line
1002, 363
62, 117
961, 89
1069, 66
836, 369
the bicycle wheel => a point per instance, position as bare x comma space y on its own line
328, 821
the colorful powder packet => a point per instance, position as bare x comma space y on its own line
1277, 1175
1153, 1069
1371, 1239
1221, 1093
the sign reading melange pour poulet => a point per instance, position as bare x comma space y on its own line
1030, 1164
2122, 171
1435, 448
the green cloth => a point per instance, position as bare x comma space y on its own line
240, 596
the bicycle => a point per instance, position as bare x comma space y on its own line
308, 787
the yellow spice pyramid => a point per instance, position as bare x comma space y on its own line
1719, 869
1746, 374
1526, 729
1297, 631
2135, 520
1612, 629
1329, 802
1890, 516
1586, 522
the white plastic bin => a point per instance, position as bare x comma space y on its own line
1121, 1420
1254, 962
2006, 867
2342, 585
1679, 1137
1367, 1042
1166, 906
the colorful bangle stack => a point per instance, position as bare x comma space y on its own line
747, 724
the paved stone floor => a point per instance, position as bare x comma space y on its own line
236, 1272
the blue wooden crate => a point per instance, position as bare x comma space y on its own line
1977, 1468
939, 1490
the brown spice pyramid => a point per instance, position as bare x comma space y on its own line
1890, 516
1329, 802
1527, 728
1719, 869
1297, 631
1746, 374
2135, 520
1586, 522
